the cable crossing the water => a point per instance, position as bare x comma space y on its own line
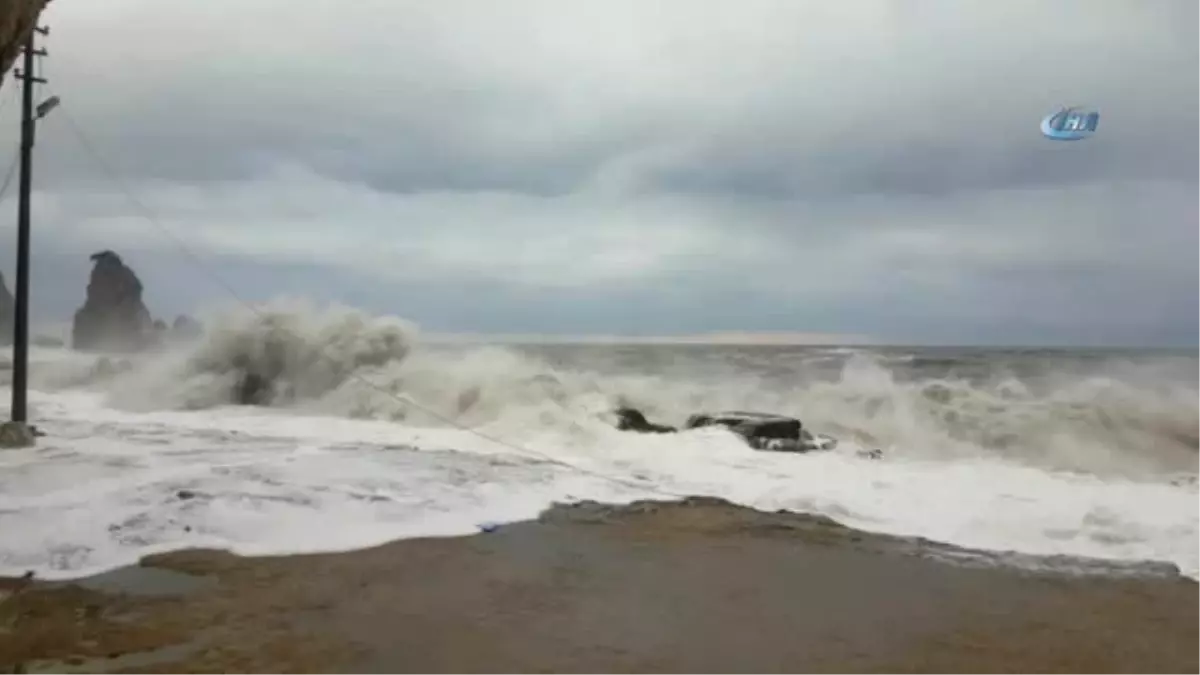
8, 176
12, 166
183, 248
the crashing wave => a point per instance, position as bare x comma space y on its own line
1121, 416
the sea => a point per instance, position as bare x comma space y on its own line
374, 434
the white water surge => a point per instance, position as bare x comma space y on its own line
152, 455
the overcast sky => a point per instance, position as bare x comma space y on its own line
628, 167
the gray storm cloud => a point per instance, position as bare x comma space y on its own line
869, 167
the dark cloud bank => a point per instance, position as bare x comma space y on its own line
869, 168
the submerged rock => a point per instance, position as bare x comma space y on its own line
113, 316
632, 419
186, 328
107, 367
258, 377
750, 425
253, 389
761, 431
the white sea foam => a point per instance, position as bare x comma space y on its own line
1079, 465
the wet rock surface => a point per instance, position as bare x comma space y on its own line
694, 586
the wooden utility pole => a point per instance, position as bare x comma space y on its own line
20, 365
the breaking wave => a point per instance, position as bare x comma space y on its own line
1109, 414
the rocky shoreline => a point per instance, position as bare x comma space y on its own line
698, 586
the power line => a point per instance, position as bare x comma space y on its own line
5, 96
8, 176
182, 246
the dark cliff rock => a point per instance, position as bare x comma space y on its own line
7, 309
113, 317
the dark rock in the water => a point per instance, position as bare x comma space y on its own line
253, 389
761, 431
807, 442
632, 419
107, 367
186, 328
113, 316
258, 377
7, 310
750, 425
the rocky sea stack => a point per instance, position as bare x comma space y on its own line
113, 316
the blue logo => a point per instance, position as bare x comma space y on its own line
1070, 124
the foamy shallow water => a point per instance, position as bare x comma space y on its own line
103, 488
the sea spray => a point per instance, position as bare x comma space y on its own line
1043, 452
1105, 414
